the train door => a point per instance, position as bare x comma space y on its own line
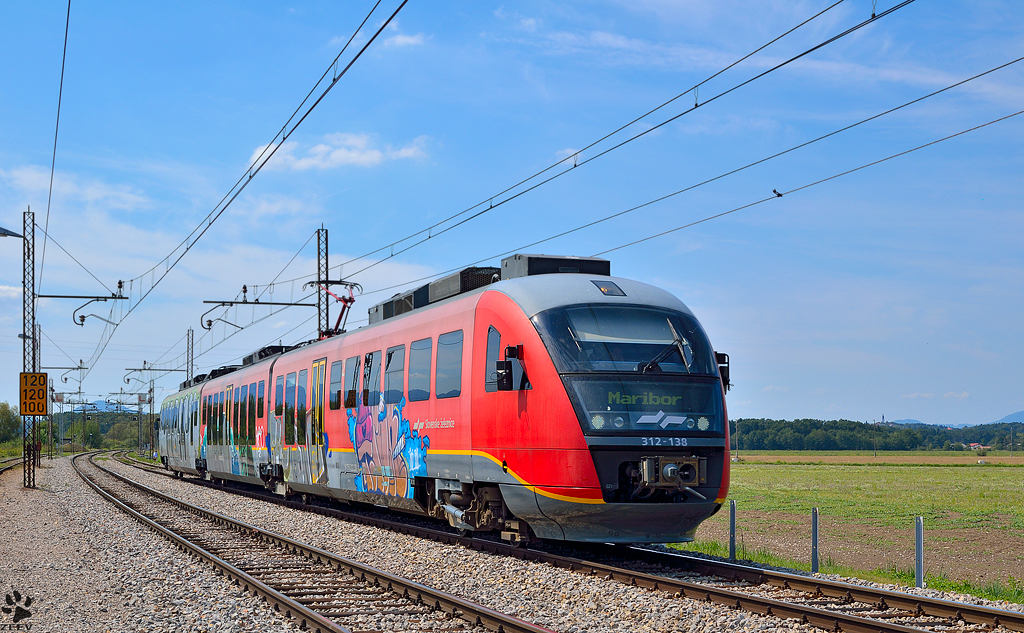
185, 407
316, 446
275, 417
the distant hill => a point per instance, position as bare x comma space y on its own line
907, 421
1013, 417
106, 407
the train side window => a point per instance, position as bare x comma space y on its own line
419, 370
259, 402
243, 416
215, 435
493, 349
223, 417
252, 414
300, 407
448, 379
236, 422
289, 408
394, 374
371, 379
351, 381
335, 385
279, 397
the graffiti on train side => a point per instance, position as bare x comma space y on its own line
388, 451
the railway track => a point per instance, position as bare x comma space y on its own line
823, 603
322, 592
9, 462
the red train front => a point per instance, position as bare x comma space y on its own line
557, 401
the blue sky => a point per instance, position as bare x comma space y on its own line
896, 290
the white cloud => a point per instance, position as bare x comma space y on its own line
527, 24
958, 396
915, 395
402, 39
10, 292
338, 150
33, 179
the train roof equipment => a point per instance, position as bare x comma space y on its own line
515, 266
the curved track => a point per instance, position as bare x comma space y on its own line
321, 591
823, 603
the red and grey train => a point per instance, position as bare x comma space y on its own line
541, 399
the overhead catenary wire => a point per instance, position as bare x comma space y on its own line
83, 267
176, 255
297, 253
606, 136
780, 195
765, 159
773, 196
53, 160
492, 204
691, 187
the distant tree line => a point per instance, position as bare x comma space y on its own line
103, 429
816, 435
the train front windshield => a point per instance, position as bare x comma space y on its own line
635, 369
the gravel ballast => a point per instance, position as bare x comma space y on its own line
88, 567
554, 598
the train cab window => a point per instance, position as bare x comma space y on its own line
259, 402
419, 370
300, 406
352, 381
448, 379
371, 379
279, 397
335, 385
394, 374
243, 416
289, 408
493, 349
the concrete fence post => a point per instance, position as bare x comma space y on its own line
814, 540
732, 529
919, 552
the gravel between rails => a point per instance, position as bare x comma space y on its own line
89, 567
554, 598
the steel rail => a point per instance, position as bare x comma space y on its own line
293, 610
883, 598
880, 598
475, 614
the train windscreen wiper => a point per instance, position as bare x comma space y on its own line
678, 343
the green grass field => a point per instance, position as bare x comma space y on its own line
869, 504
947, 496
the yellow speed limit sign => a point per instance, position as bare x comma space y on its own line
33, 394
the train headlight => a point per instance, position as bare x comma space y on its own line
618, 422
597, 422
703, 423
690, 423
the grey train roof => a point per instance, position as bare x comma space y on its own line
537, 293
